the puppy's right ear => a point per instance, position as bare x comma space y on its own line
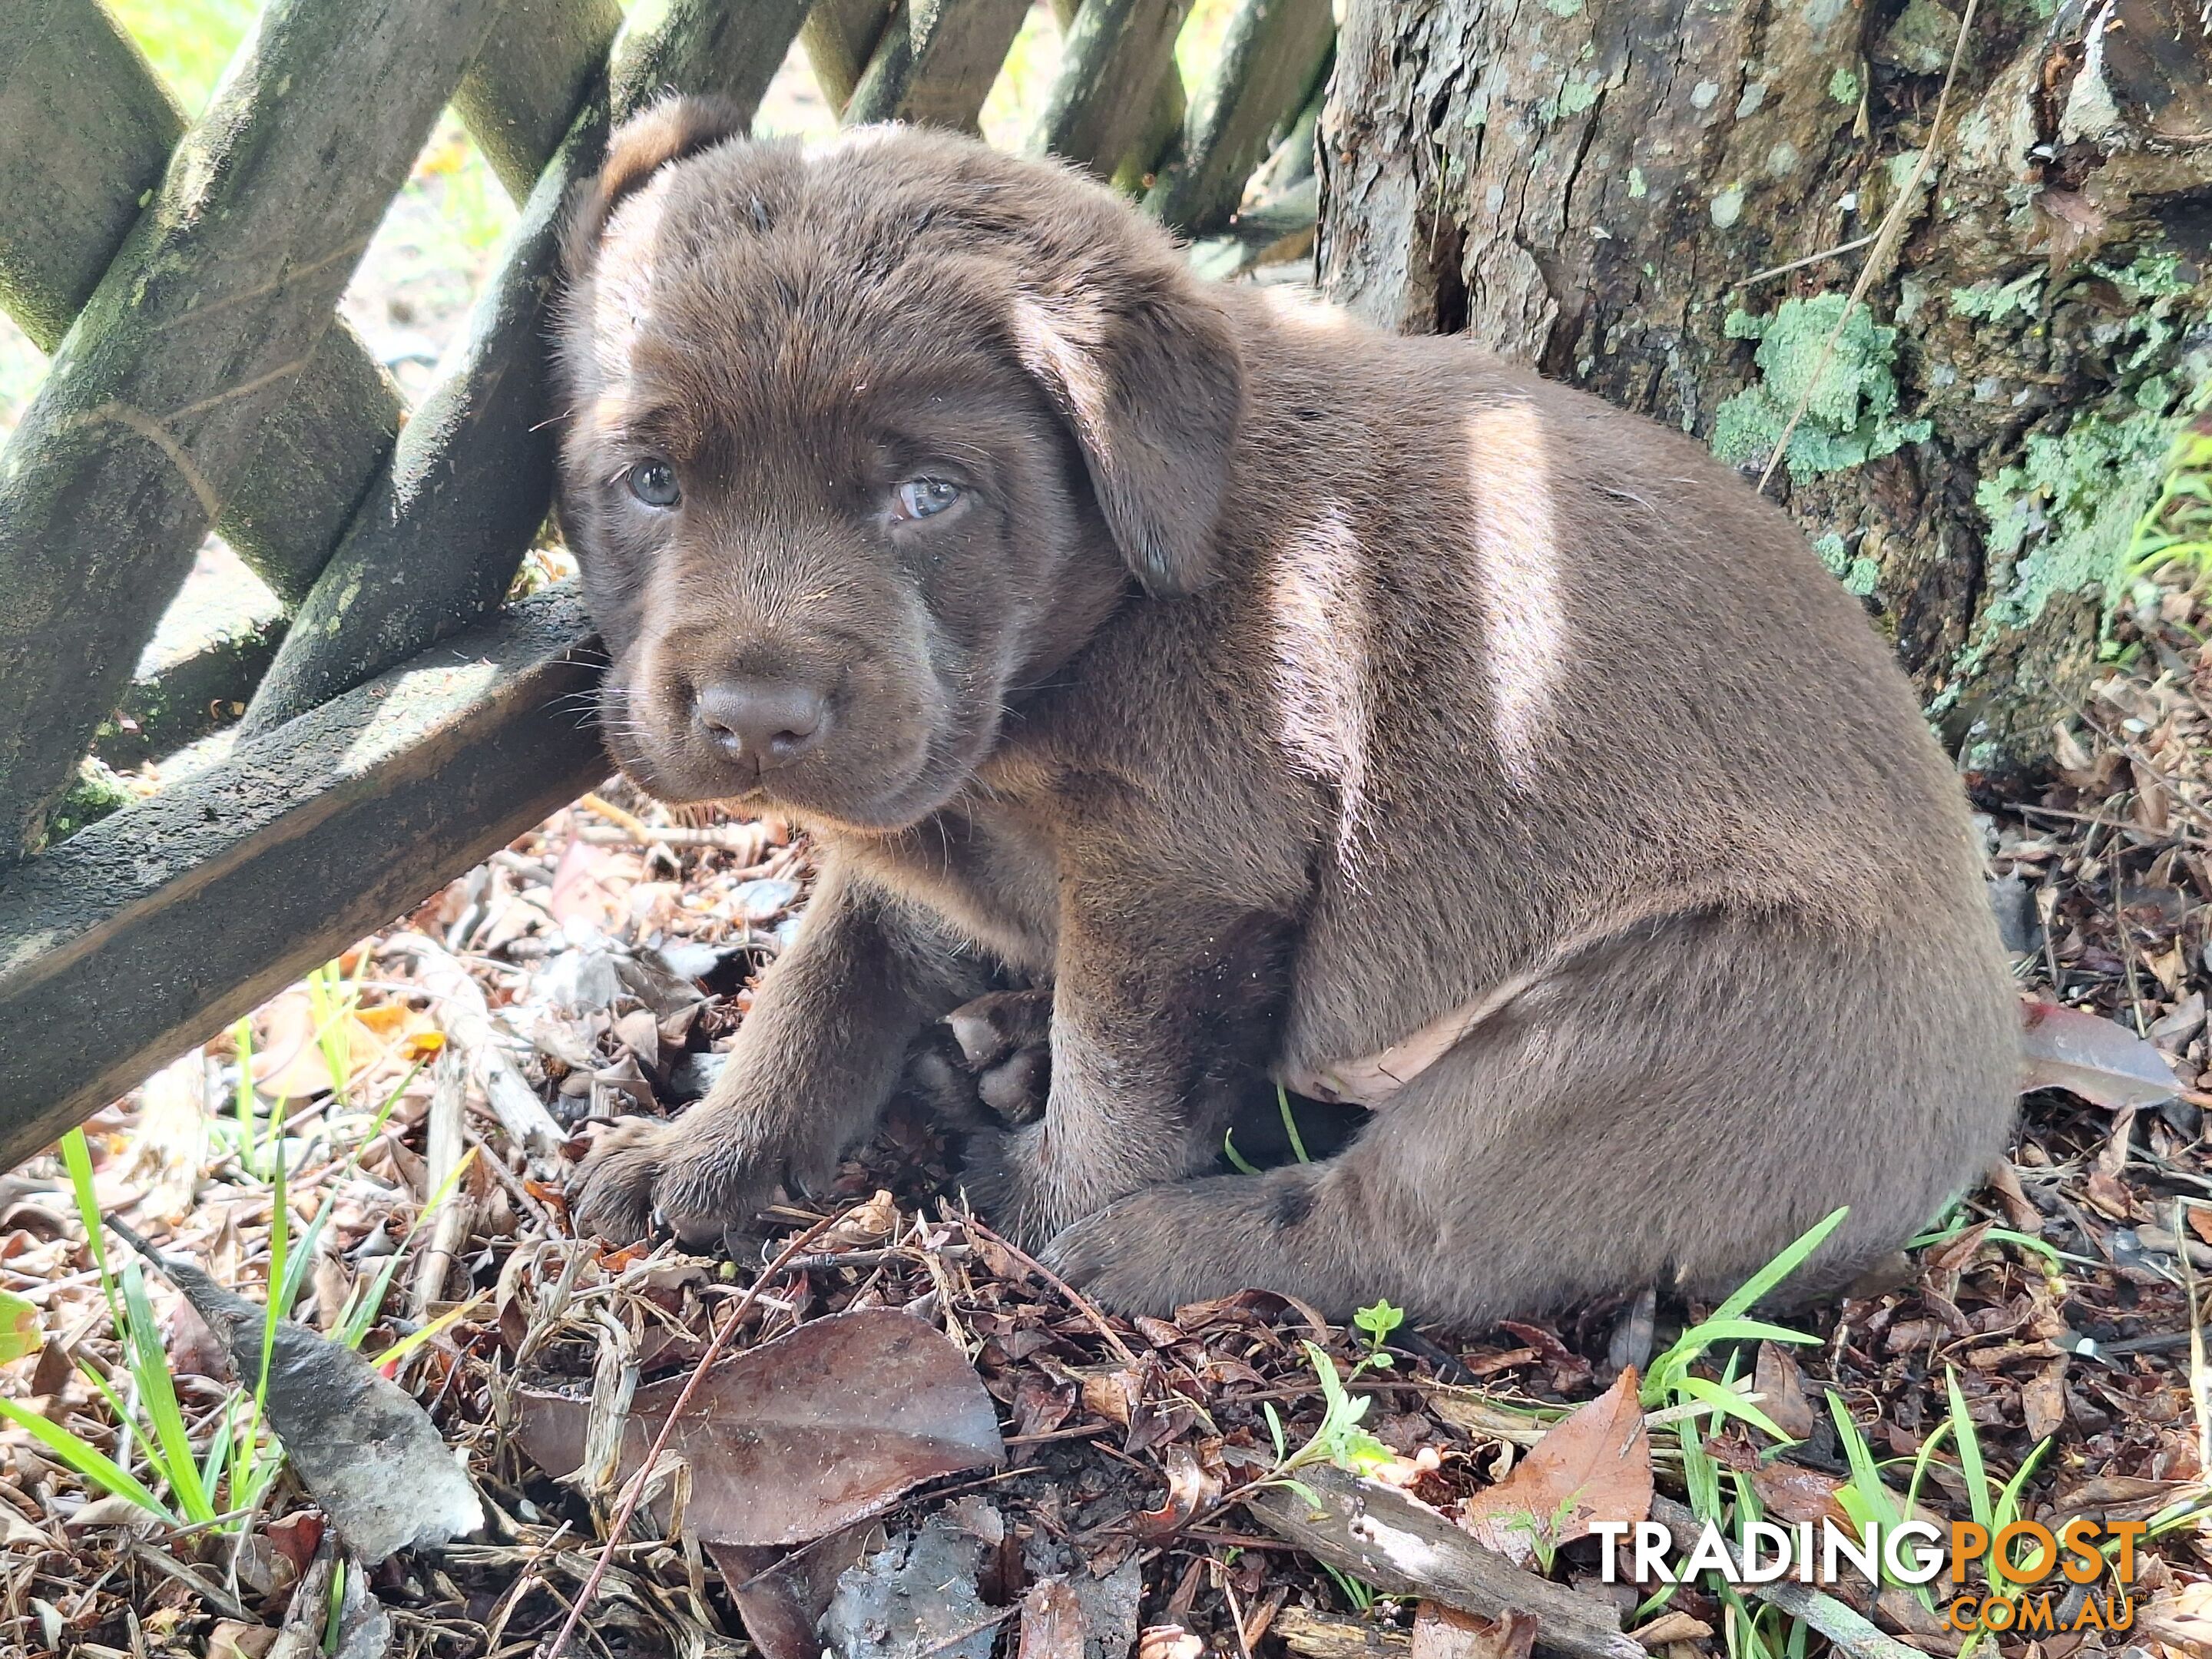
672, 129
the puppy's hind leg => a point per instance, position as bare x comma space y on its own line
1674, 1107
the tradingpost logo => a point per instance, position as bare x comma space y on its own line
2030, 1579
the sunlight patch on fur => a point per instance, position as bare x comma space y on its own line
1516, 548
1321, 670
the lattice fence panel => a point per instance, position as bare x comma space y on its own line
186, 278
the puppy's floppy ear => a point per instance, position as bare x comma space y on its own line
670, 130
1145, 368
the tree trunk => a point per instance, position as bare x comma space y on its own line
1655, 200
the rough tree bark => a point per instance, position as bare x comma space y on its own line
1612, 189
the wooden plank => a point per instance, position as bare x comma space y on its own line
522, 93
151, 930
1270, 55
440, 536
148, 416
936, 62
85, 130
839, 37
1117, 65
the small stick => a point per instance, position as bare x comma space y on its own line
445, 1145
1075, 1299
466, 1019
635, 1488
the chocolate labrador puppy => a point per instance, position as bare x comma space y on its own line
1271, 696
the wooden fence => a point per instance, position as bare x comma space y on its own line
403, 722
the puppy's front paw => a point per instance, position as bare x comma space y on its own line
1192, 1241
611, 1194
692, 1176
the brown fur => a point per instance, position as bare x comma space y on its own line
1276, 689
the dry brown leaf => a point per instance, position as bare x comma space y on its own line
2042, 1400
2181, 1620
1190, 1490
1790, 1493
1443, 1632
2099, 1060
1781, 1389
1113, 1395
803, 1435
1052, 1625
1594, 1465
1672, 1627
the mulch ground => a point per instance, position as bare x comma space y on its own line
613, 945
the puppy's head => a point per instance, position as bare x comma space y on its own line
861, 440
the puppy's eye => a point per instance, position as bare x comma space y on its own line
921, 498
655, 483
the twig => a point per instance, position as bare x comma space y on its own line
1382, 1535
635, 1488
1075, 1299
466, 1019
445, 1147
1841, 248
1885, 243
206, 1589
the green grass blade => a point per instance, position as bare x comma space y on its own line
1748, 1294
1290, 1125
86, 1459
172, 1451
1727, 1403
77, 1159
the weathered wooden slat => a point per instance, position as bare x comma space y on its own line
440, 538
199, 670
935, 62
841, 37
148, 416
523, 92
1105, 102
85, 130
147, 932
1270, 55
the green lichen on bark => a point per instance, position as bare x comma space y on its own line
1848, 393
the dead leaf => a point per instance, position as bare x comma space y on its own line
2099, 1060
802, 1436
2042, 1400
1790, 1493
1052, 1622
1672, 1627
1190, 1490
2182, 1620
1781, 1389
782, 1595
1594, 1465
1114, 1394
1443, 1632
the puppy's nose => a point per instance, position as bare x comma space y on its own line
771, 723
